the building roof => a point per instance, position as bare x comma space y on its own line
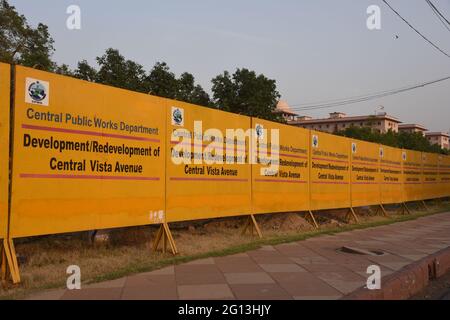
412, 126
347, 119
283, 107
437, 134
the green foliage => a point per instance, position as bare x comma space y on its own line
162, 82
64, 70
116, 71
119, 72
188, 91
85, 72
411, 141
22, 44
246, 93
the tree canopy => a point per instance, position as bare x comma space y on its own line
410, 141
22, 44
246, 93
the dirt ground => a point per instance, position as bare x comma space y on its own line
44, 260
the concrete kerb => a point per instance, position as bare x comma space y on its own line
409, 281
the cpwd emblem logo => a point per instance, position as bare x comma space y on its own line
260, 131
177, 117
37, 92
315, 141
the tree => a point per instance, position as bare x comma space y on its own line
85, 72
116, 71
64, 70
200, 97
162, 82
188, 91
22, 44
246, 93
410, 141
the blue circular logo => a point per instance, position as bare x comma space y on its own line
259, 131
36, 90
177, 116
315, 141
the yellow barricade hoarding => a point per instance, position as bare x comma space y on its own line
286, 189
329, 171
445, 176
431, 181
198, 185
391, 175
365, 173
412, 175
86, 156
4, 143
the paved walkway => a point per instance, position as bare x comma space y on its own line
310, 269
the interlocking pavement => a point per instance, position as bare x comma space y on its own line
304, 270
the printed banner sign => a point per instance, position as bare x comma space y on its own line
431, 177
444, 174
329, 171
86, 156
391, 172
365, 173
412, 175
207, 166
4, 143
287, 188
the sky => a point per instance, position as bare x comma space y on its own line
316, 50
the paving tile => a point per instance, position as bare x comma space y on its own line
324, 267
282, 268
342, 276
48, 295
346, 287
207, 261
311, 260
197, 278
304, 284
153, 292
239, 267
165, 271
201, 268
147, 280
93, 294
119, 283
205, 292
248, 278
272, 260
317, 297
260, 292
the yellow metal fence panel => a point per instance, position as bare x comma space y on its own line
431, 181
391, 171
86, 156
199, 189
445, 176
287, 189
365, 173
329, 171
4, 146
412, 175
